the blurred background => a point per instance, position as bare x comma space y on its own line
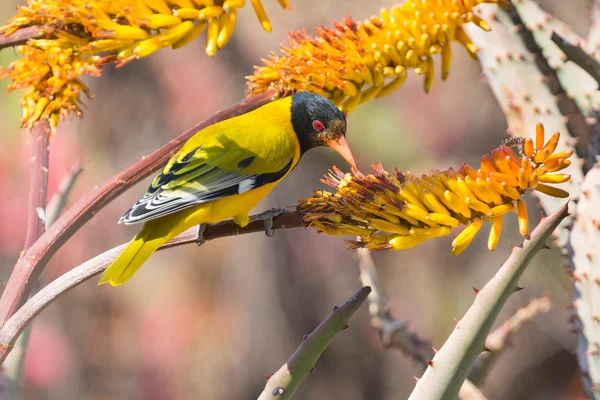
206, 323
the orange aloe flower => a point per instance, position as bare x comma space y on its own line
398, 211
354, 62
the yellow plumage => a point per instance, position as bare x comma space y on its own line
266, 134
225, 170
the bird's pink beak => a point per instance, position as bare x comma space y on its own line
343, 149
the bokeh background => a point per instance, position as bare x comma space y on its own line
206, 323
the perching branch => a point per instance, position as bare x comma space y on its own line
31, 264
283, 383
20, 37
17, 323
452, 363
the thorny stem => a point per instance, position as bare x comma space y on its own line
20, 37
283, 383
17, 323
451, 364
31, 264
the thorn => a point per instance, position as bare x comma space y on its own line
345, 327
267, 377
335, 308
434, 350
519, 288
456, 320
430, 362
485, 348
312, 370
546, 247
416, 379
476, 290
304, 337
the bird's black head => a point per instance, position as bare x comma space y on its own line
318, 122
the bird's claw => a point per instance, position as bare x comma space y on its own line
267, 218
199, 235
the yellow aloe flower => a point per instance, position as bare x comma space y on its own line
83, 35
354, 62
398, 211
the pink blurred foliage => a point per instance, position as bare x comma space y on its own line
193, 86
14, 179
48, 358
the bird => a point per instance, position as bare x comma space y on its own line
225, 170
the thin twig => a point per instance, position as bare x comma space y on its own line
501, 337
59, 199
451, 364
15, 325
283, 383
20, 37
31, 264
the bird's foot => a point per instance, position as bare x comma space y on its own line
199, 235
267, 218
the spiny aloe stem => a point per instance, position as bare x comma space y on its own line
520, 89
283, 383
585, 256
452, 363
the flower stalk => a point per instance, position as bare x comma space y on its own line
398, 211
354, 62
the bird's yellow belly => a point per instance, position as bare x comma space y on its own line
228, 207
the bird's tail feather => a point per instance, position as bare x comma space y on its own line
152, 235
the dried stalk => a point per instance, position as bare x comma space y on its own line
17, 323
31, 264
283, 383
452, 363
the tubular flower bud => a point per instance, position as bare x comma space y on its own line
354, 62
400, 210
84, 35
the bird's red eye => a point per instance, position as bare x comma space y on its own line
318, 125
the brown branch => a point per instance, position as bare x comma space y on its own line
17, 323
20, 37
38, 182
31, 264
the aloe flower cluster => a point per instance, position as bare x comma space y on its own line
400, 210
